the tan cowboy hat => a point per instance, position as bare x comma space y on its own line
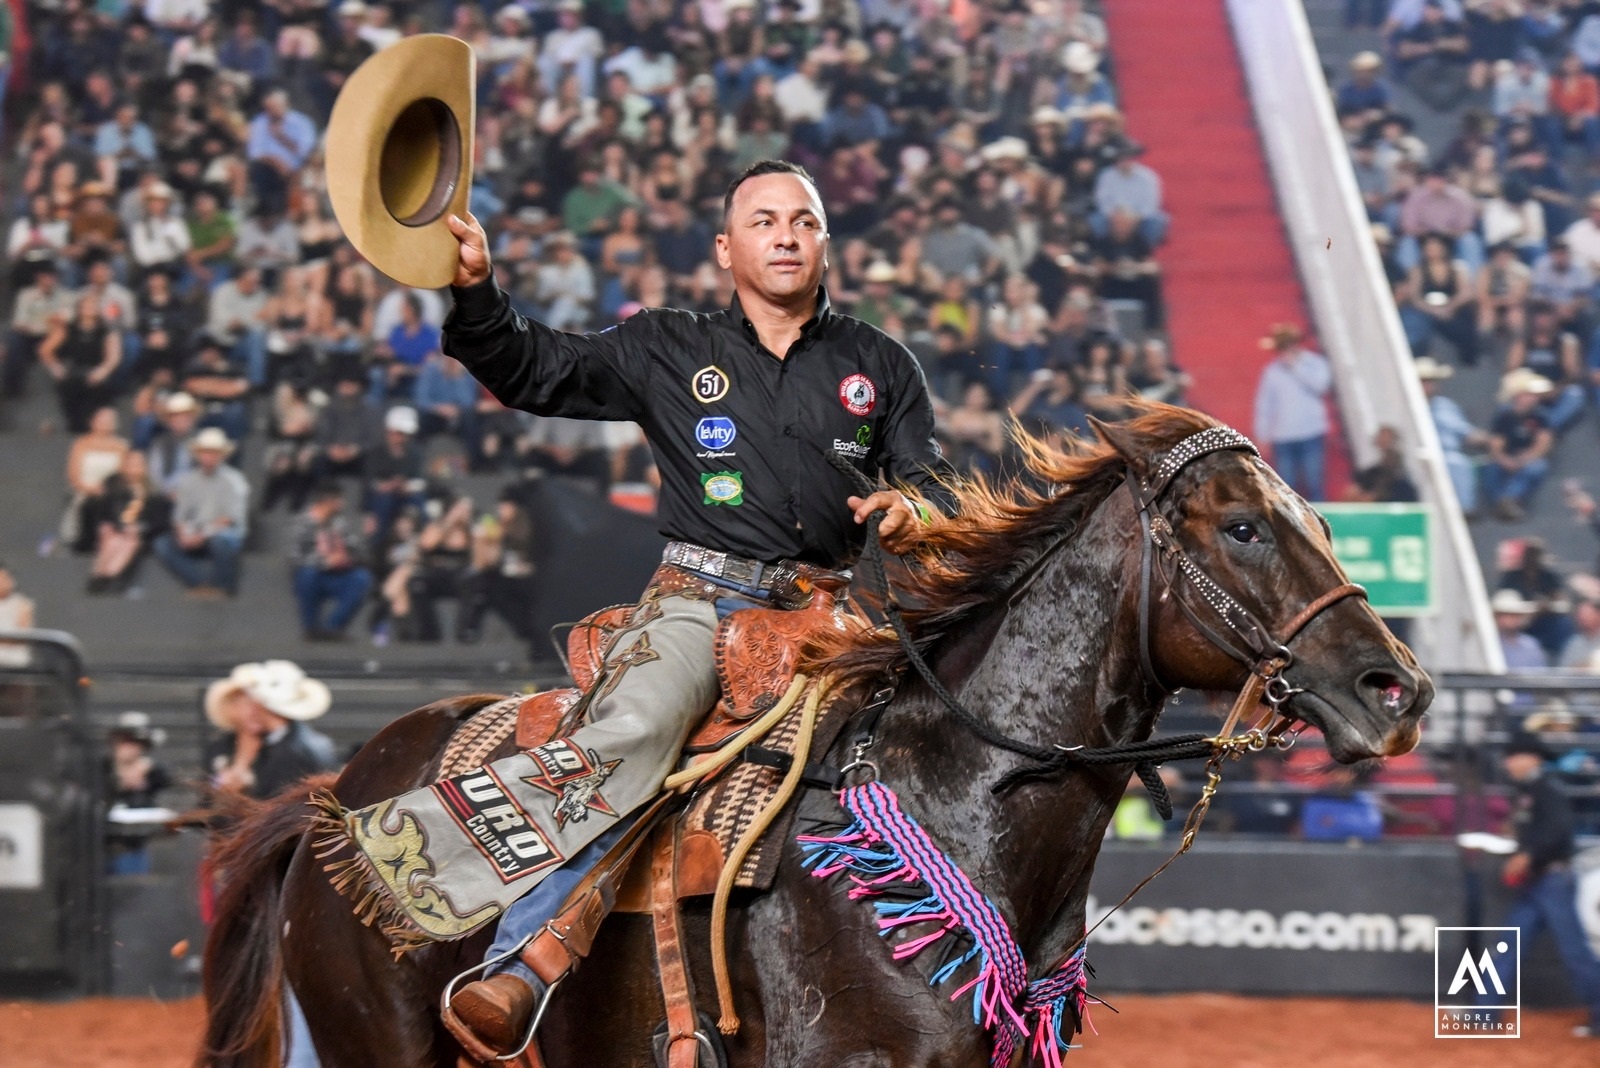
212, 439
1282, 336
1005, 148
1079, 57
279, 686
1553, 715
1366, 61
880, 271
399, 156
1511, 603
1431, 370
1524, 380
181, 402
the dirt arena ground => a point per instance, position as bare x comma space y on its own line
1203, 1031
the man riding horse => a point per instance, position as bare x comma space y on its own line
740, 407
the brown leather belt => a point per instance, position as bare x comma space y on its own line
784, 579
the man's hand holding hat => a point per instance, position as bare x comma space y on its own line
473, 267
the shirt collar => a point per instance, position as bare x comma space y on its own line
813, 325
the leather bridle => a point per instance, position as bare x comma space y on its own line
1242, 636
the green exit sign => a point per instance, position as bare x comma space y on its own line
1388, 548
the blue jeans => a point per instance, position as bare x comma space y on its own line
1153, 228
538, 906
251, 352
215, 565
1299, 463
1517, 486
531, 911
346, 589
1469, 249
1464, 476
1563, 407
301, 1053
1550, 903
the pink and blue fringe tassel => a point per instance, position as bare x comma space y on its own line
883, 848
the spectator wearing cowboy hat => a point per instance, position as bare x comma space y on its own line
1291, 413
166, 442
1520, 438
1457, 435
1540, 871
1364, 92
209, 518
1512, 613
393, 469
1129, 187
159, 239
134, 780
264, 712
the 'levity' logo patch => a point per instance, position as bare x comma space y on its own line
715, 432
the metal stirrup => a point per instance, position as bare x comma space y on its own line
538, 1014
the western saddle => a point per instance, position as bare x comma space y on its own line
757, 654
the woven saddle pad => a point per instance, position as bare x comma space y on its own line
726, 808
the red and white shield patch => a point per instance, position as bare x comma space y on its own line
858, 395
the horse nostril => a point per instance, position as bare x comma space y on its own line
1394, 696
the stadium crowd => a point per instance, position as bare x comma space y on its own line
1491, 243
180, 284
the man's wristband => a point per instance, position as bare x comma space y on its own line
922, 510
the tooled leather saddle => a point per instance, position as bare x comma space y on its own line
757, 653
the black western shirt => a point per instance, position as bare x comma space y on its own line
738, 434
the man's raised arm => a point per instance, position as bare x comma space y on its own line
529, 366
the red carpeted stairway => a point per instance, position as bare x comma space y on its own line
1227, 267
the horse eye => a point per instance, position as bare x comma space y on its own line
1243, 533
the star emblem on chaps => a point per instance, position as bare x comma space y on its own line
579, 795
638, 653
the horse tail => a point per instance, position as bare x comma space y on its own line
243, 975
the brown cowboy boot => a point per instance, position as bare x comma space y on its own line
497, 1010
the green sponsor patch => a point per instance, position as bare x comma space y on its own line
723, 487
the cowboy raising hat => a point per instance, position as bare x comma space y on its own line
278, 686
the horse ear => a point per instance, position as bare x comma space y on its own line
1127, 444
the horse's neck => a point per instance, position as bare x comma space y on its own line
1061, 669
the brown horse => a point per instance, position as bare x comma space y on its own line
1029, 609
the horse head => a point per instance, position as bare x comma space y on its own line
1228, 519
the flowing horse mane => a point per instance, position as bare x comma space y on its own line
967, 561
